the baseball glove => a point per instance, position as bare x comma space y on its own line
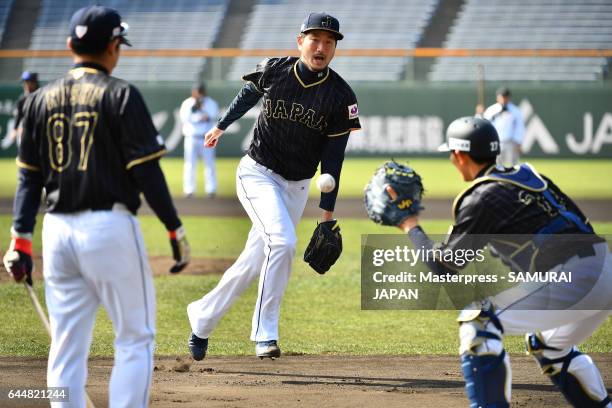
325, 246
393, 194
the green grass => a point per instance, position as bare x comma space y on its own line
320, 314
578, 178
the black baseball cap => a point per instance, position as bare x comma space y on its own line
473, 135
199, 86
29, 76
322, 21
93, 27
503, 91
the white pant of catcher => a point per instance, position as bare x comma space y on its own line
274, 205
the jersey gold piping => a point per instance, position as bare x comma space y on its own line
145, 158
343, 133
302, 82
486, 177
80, 71
26, 165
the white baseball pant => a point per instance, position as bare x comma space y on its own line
193, 150
508, 154
560, 329
274, 205
93, 258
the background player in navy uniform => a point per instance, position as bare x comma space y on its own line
308, 112
89, 142
30, 84
521, 204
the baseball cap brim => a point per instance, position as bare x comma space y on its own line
444, 147
124, 30
454, 143
337, 34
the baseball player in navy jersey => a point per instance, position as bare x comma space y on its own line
30, 84
89, 142
308, 112
541, 226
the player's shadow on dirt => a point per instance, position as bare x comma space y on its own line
396, 383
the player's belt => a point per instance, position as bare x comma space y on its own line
196, 136
543, 254
118, 207
580, 246
248, 159
583, 249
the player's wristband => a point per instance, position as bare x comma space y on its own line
23, 245
22, 241
177, 233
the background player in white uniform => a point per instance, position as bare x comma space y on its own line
198, 113
308, 113
89, 141
508, 121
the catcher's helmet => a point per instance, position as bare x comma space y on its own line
473, 135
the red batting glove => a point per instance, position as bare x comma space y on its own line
18, 259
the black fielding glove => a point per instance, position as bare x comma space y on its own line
325, 246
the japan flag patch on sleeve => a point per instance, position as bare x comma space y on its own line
353, 111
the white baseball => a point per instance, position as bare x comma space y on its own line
326, 183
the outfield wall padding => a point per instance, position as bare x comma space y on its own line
562, 120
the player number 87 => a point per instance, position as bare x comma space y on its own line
60, 129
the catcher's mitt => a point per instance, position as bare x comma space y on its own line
325, 246
393, 194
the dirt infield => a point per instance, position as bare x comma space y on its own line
160, 265
595, 209
302, 381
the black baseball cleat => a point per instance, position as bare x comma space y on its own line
267, 349
197, 347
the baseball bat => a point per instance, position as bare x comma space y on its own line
38, 308
45, 322
481, 85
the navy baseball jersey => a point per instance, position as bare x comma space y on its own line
18, 114
83, 132
510, 209
298, 117
493, 207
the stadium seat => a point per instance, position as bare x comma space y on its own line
5, 10
154, 24
524, 24
383, 25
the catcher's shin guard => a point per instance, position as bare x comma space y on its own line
484, 362
574, 374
